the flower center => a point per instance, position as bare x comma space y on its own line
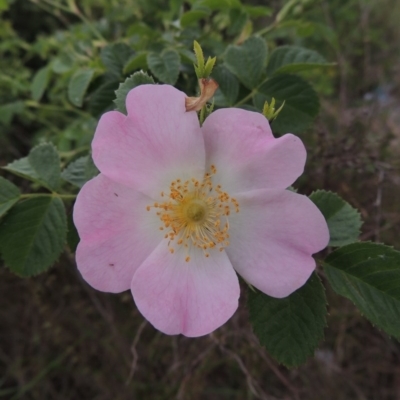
196, 214
195, 211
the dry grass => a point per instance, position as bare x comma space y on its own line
62, 340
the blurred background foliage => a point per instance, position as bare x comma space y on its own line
60, 63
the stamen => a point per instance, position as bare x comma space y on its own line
196, 214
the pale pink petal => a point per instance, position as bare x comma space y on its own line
117, 233
155, 144
192, 298
241, 146
272, 239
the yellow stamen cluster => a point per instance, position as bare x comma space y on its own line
195, 213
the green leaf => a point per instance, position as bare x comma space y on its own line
138, 61
175, 7
302, 28
4, 5
23, 168
115, 56
258, 11
208, 68
369, 275
40, 82
62, 64
192, 17
187, 56
72, 235
78, 85
41, 166
285, 10
75, 172
80, 171
45, 161
290, 328
247, 61
301, 102
291, 59
32, 235
90, 169
238, 19
7, 111
198, 51
328, 33
228, 90
102, 98
219, 4
344, 221
137, 79
165, 66
143, 30
9, 195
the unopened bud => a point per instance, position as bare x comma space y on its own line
269, 110
203, 68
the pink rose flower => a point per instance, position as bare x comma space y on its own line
178, 209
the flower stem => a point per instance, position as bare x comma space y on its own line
246, 98
267, 29
51, 107
202, 115
72, 153
36, 195
251, 94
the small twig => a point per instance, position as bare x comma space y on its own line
135, 353
254, 387
189, 371
250, 95
107, 317
365, 28
55, 108
273, 367
55, 13
378, 205
340, 58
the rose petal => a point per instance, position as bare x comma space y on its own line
241, 146
193, 298
116, 231
155, 144
272, 239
